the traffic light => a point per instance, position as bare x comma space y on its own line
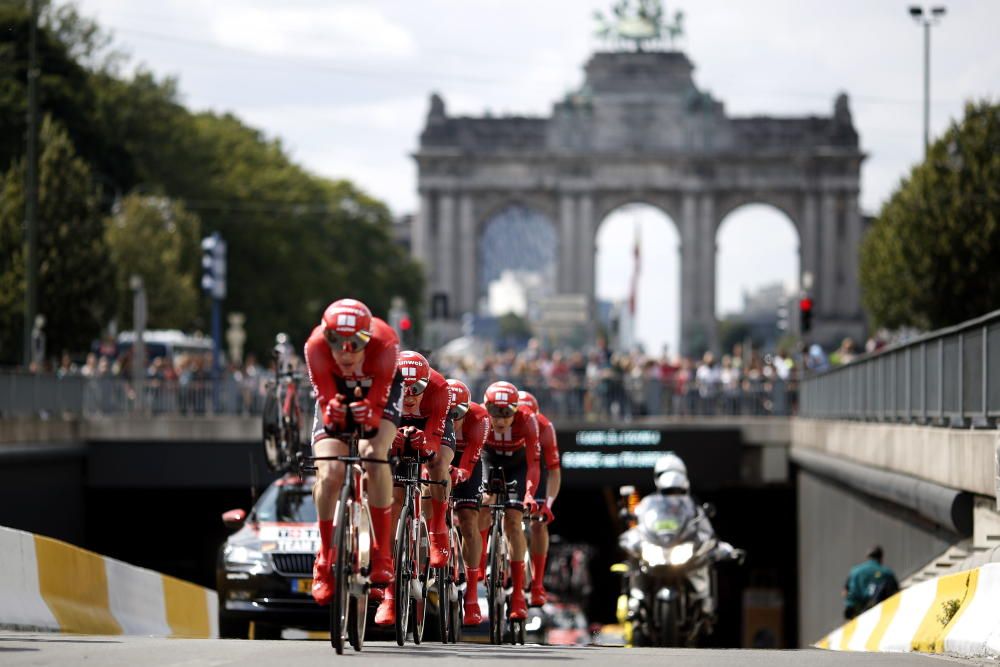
405, 324
213, 265
805, 314
782, 313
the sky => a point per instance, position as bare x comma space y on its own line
345, 84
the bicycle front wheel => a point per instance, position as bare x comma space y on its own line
341, 573
494, 584
404, 573
421, 562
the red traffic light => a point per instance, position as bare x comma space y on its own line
405, 324
805, 304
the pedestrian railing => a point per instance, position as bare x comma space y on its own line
616, 398
949, 377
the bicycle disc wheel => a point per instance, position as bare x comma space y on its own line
421, 559
341, 574
404, 573
458, 574
357, 617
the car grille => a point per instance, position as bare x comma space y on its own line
293, 564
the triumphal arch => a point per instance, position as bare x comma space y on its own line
640, 130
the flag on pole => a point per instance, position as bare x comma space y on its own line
635, 275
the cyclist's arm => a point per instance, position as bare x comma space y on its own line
475, 438
533, 452
320, 366
383, 370
437, 417
550, 452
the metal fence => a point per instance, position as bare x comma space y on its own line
616, 398
949, 377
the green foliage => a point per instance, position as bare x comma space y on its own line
73, 270
932, 258
513, 326
157, 239
295, 241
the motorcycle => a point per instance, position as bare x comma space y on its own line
669, 586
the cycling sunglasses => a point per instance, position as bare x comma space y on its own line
458, 411
417, 387
502, 411
352, 343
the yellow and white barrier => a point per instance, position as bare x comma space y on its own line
47, 584
958, 614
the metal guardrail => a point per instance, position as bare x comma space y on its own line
949, 377
33, 394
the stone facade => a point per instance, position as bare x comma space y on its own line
639, 130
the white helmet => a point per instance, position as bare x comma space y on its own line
669, 462
672, 480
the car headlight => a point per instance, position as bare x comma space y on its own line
653, 554
681, 553
240, 555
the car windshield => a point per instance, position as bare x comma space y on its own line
291, 503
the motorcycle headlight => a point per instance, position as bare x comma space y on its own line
654, 555
681, 553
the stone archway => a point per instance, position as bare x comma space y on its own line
639, 129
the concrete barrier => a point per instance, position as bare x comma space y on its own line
957, 614
47, 584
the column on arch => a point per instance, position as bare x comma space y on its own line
809, 243
445, 260
852, 250
424, 244
829, 255
586, 246
706, 267
566, 278
467, 276
690, 255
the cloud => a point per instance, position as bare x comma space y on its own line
342, 32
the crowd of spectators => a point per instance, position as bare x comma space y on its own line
589, 384
602, 383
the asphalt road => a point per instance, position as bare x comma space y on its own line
41, 649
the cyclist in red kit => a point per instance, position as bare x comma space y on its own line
549, 482
512, 444
426, 429
471, 423
351, 357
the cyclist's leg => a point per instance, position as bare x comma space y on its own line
516, 470
539, 548
380, 499
438, 469
468, 525
329, 479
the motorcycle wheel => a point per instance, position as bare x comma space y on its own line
668, 634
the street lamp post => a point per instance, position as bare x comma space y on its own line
927, 19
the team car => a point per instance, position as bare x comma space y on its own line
264, 569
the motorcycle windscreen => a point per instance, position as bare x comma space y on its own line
665, 519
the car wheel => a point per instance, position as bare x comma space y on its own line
266, 631
232, 628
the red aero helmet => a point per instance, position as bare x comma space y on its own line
416, 371
460, 396
347, 324
528, 399
501, 399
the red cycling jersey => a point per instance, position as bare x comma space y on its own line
469, 440
374, 374
522, 434
432, 412
547, 442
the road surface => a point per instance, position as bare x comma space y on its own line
18, 649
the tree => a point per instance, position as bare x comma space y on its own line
158, 239
932, 257
73, 271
